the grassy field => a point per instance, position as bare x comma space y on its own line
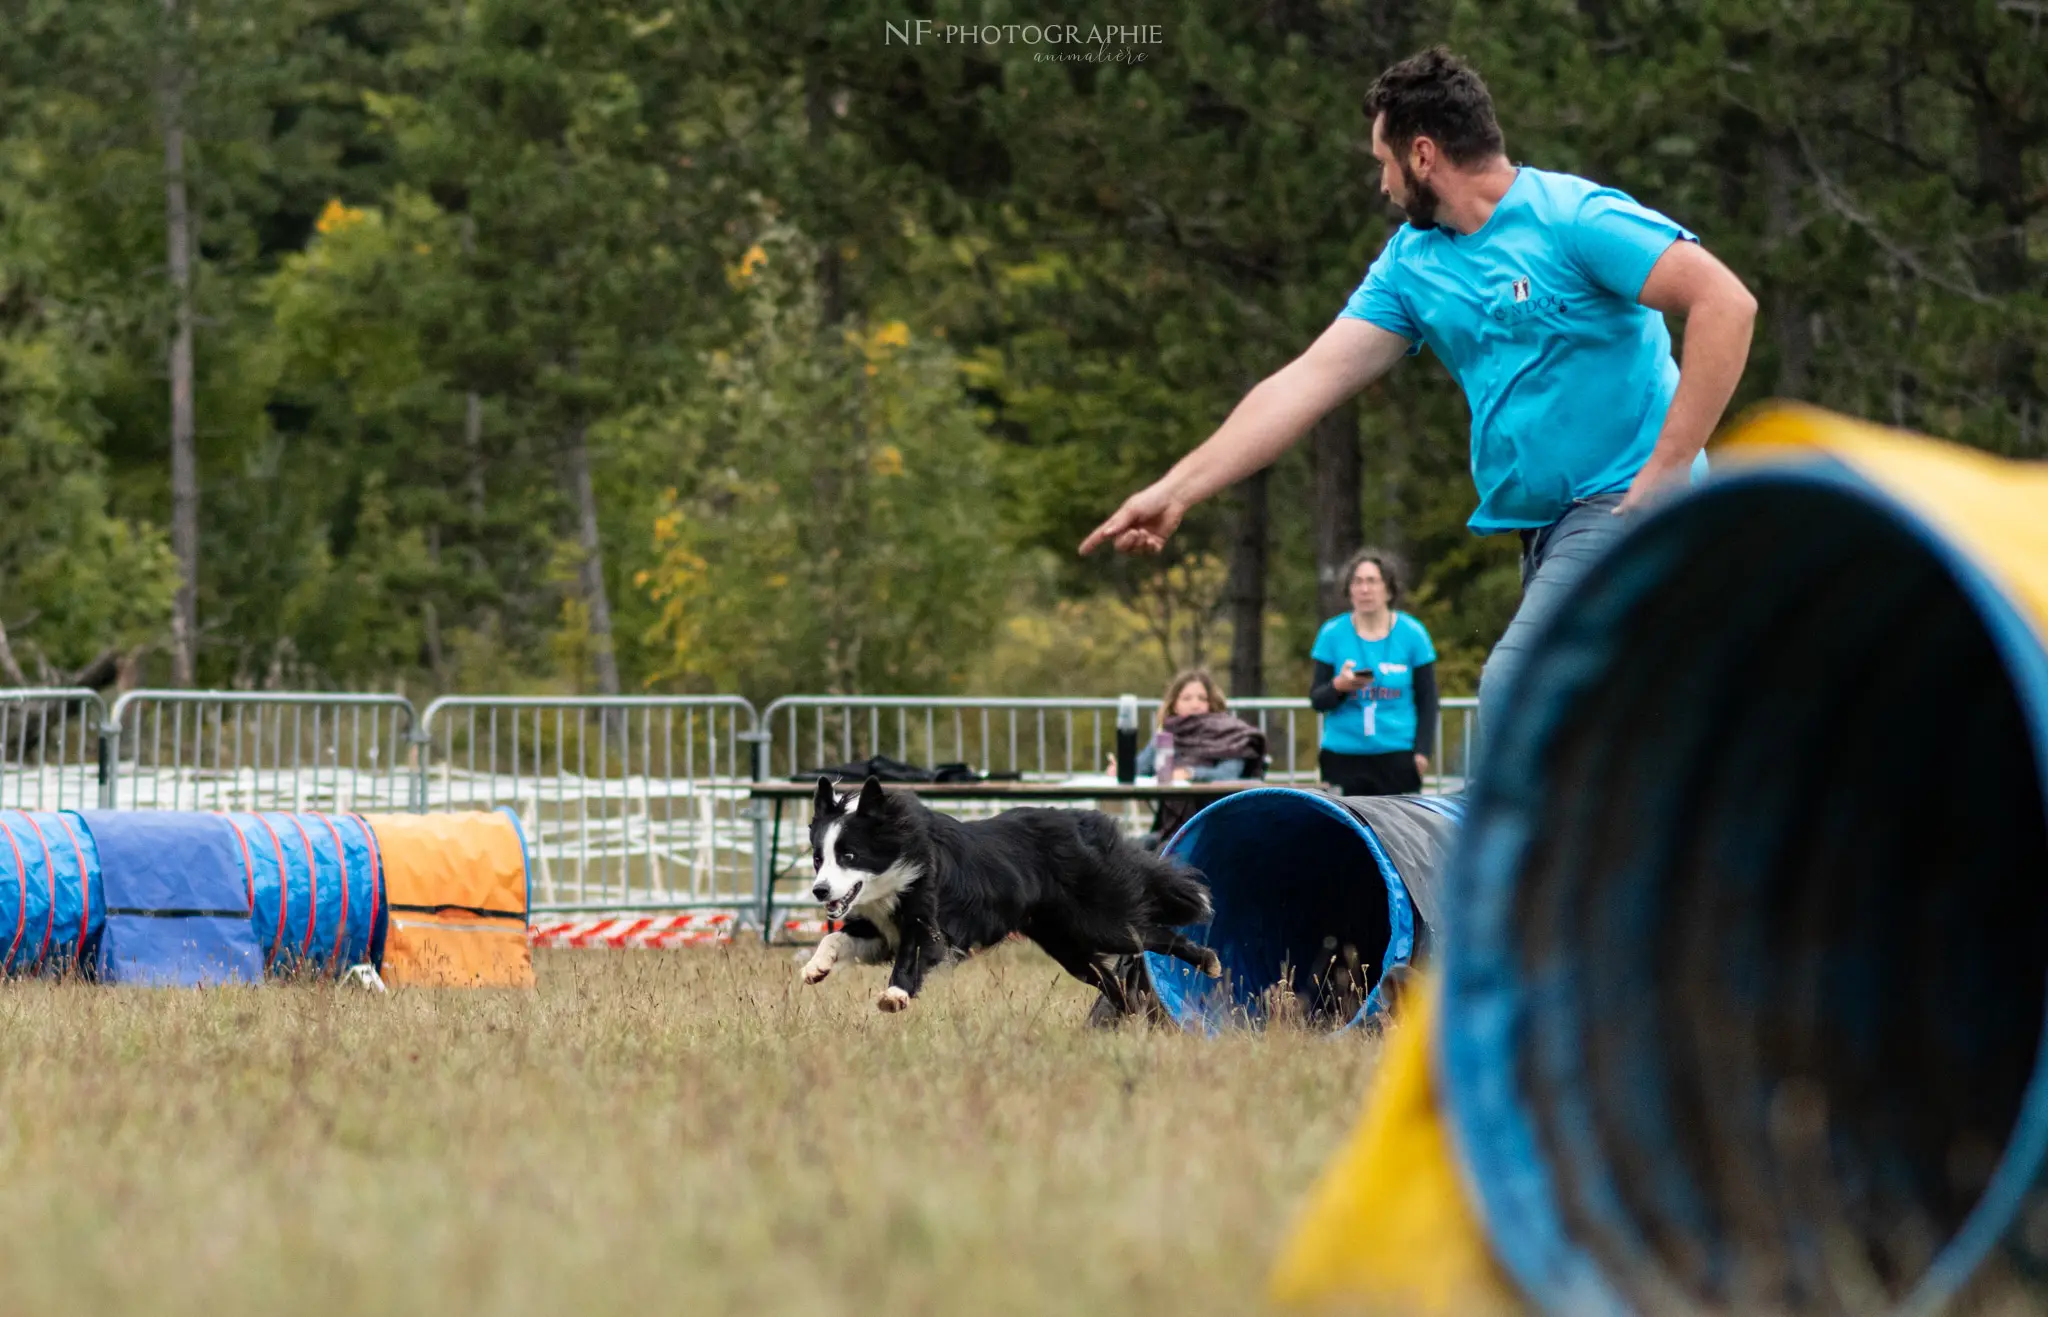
677, 1132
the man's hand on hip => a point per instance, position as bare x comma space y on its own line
1720, 316
1653, 484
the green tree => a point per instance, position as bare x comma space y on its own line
80, 585
837, 536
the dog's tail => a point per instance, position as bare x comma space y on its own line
1174, 893
1179, 894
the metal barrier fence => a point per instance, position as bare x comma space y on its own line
50, 748
628, 802
1294, 736
1036, 738
260, 750
1050, 739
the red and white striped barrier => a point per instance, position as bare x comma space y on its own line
707, 928
695, 929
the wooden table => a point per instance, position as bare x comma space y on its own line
1100, 787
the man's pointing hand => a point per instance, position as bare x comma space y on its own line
1142, 524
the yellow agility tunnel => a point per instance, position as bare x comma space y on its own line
458, 890
1745, 1007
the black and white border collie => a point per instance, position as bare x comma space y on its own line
922, 889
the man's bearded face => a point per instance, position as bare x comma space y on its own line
1418, 199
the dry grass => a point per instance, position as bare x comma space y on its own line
674, 1132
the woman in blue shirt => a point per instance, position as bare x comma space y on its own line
1375, 685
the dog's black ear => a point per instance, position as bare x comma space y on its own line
872, 797
825, 801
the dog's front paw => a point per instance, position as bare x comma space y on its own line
815, 972
892, 1000
1212, 965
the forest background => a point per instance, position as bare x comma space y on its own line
521, 345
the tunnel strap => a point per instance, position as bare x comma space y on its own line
248, 860
341, 852
313, 885
284, 888
20, 910
376, 882
482, 912
84, 887
50, 873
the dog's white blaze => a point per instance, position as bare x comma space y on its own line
838, 879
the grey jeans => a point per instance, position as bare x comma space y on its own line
1554, 559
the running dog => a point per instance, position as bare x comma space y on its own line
922, 890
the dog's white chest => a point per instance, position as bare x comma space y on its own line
882, 891
882, 914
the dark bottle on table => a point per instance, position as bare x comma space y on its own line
1127, 739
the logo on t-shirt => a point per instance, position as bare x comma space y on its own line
1523, 303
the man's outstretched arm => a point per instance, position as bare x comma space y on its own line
1720, 315
1346, 357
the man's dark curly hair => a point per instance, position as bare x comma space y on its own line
1439, 96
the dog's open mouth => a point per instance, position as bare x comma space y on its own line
837, 909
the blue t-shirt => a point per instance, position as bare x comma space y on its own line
1380, 718
1567, 375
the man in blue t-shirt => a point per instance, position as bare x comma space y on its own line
1544, 294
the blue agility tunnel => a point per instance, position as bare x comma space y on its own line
178, 898
316, 890
51, 908
1323, 893
1746, 1008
